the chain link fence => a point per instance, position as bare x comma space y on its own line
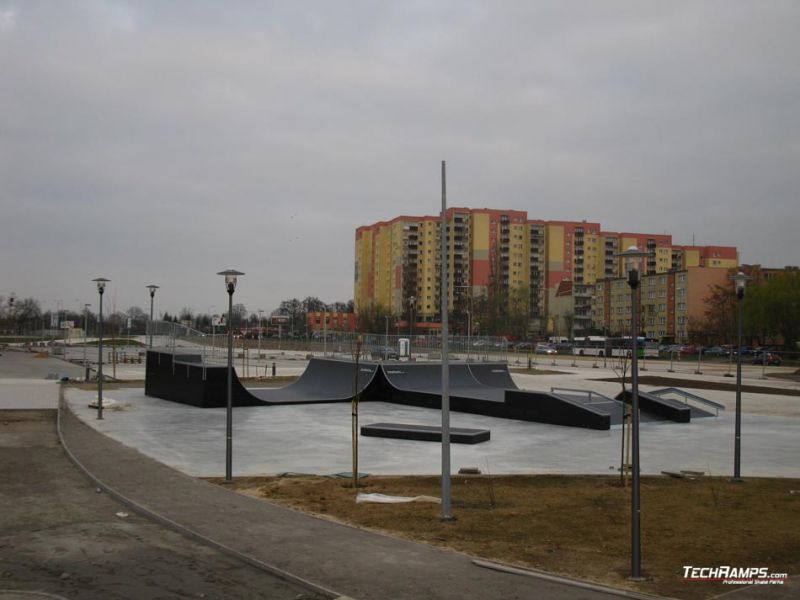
213, 346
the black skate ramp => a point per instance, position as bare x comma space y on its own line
554, 409
484, 389
324, 380
186, 379
667, 408
493, 375
615, 408
416, 384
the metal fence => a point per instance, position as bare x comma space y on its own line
213, 346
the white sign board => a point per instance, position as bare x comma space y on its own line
53, 320
67, 324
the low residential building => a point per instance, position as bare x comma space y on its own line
668, 302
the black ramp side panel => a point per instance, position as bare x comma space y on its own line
493, 375
183, 378
544, 407
665, 407
324, 380
425, 433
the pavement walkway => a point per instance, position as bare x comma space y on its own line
342, 559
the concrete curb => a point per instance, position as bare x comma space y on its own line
183, 530
595, 587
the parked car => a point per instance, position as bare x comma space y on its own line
545, 349
523, 346
384, 351
771, 359
717, 351
688, 350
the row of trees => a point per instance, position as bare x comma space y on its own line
294, 310
24, 316
771, 311
498, 313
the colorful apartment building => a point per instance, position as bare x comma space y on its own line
499, 251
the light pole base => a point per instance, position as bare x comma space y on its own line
227, 481
448, 519
637, 578
670, 370
728, 375
737, 480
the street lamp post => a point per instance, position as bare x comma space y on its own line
386, 340
469, 333
411, 302
101, 287
740, 281
633, 260
152, 289
260, 318
85, 340
230, 285
11, 300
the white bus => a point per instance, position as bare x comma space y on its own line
598, 345
591, 345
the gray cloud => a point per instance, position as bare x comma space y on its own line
162, 142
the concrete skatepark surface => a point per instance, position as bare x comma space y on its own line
316, 439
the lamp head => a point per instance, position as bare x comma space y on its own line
152, 289
101, 284
230, 276
740, 281
11, 299
633, 258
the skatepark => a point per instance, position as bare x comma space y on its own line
305, 426
132, 448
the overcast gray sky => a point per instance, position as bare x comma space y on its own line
161, 142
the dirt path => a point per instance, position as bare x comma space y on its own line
59, 535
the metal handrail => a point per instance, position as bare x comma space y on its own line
589, 393
689, 396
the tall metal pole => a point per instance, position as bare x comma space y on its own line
737, 452
152, 296
85, 340
386, 340
636, 549
100, 359
469, 333
260, 312
229, 413
444, 293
